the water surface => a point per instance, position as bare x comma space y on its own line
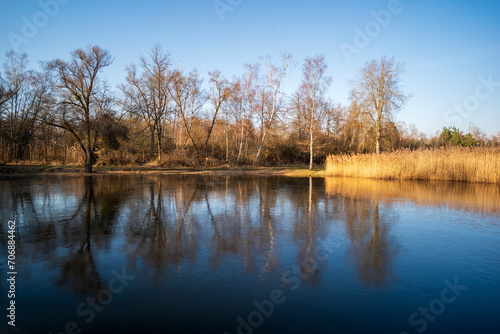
199, 254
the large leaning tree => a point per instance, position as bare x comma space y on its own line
84, 105
378, 93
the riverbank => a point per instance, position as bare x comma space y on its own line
480, 165
28, 170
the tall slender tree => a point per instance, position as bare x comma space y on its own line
271, 91
241, 103
315, 84
219, 95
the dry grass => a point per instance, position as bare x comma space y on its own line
454, 164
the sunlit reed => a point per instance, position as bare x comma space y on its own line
455, 164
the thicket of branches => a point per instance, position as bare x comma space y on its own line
66, 113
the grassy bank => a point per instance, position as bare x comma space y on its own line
454, 164
299, 171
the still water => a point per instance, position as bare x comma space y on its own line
198, 254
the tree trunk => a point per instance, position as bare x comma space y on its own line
210, 131
152, 141
377, 141
261, 144
241, 141
158, 132
311, 138
227, 146
188, 132
87, 166
377, 135
311, 150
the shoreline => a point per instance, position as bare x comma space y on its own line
47, 170
11, 170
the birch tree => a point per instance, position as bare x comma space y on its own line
271, 93
378, 92
315, 84
241, 103
219, 95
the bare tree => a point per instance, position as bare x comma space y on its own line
15, 107
315, 83
377, 90
298, 117
271, 93
219, 95
14, 67
187, 94
147, 93
241, 104
5, 93
478, 134
29, 98
81, 96
334, 119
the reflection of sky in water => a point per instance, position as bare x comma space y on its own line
203, 249
55, 206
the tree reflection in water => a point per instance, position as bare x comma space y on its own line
67, 224
78, 268
372, 247
263, 224
206, 246
168, 221
161, 229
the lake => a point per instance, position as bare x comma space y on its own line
207, 254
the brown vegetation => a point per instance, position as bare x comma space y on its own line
452, 164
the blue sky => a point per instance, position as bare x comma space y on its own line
451, 49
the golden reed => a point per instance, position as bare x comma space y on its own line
452, 164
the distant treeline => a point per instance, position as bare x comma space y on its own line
66, 113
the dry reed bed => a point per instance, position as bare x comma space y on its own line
454, 164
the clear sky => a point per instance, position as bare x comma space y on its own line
451, 49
